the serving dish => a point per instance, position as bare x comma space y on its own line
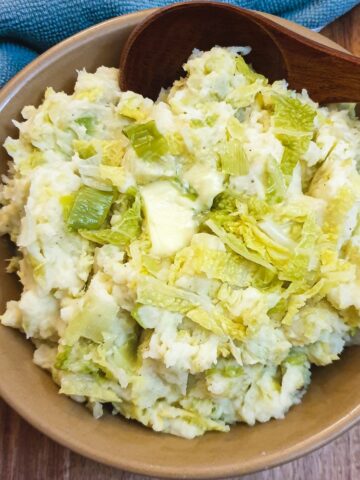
331, 405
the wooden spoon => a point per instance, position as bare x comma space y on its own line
156, 50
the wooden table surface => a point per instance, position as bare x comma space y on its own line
26, 454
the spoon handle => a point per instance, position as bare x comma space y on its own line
327, 74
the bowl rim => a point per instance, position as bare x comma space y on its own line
314, 442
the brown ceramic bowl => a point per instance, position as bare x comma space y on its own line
331, 405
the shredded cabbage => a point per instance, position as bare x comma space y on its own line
146, 140
185, 261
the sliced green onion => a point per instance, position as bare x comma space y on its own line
146, 140
196, 123
127, 229
233, 158
211, 120
90, 209
176, 144
88, 123
84, 149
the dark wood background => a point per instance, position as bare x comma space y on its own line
26, 454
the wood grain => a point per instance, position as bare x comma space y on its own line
346, 31
26, 454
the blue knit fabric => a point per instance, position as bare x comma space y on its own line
28, 27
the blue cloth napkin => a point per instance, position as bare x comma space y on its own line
28, 27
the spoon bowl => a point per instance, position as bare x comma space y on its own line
155, 51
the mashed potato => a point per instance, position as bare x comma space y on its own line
185, 261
